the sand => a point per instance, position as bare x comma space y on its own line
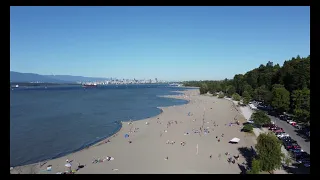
148, 151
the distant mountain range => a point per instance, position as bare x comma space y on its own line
32, 77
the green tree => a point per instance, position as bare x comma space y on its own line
252, 78
301, 104
230, 90
269, 152
263, 94
246, 97
238, 82
280, 99
236, 97
249, 89
204, 88
260, 118
255, 167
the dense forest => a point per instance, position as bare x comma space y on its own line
286, 88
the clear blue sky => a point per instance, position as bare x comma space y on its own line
168, 43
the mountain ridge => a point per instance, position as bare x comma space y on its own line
33, 77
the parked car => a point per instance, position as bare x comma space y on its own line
303, 160
286, 139
307, 164
295, 150
298, 127
293, 123
290, 121
282, 117
277, 130
278, 133
294, 146
302, 155
271, 127
291, 145
283, 135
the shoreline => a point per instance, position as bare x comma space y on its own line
105, 140
149, 133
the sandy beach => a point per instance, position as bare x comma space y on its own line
167, 143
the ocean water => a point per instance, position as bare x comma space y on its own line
47, 123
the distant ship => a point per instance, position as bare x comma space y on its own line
89, 85
15, 86
175, 85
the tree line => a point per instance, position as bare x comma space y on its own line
286, 88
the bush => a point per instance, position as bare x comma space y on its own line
247, 128
221, 95
236, 97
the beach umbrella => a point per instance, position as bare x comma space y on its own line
234, 140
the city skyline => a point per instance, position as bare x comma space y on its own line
170, 43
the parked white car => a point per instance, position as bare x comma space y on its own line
283, 135
250, 121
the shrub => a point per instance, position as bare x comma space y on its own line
236, 97
221, 95
247, 128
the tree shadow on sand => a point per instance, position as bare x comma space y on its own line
242, 168
248, 154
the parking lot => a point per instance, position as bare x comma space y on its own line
302, 140
291, 130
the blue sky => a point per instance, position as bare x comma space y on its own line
168, 43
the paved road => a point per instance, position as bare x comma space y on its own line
305, 145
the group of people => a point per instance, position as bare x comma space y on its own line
170, 142
232, 159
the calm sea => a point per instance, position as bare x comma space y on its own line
46, 123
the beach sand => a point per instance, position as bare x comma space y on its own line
148, 150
